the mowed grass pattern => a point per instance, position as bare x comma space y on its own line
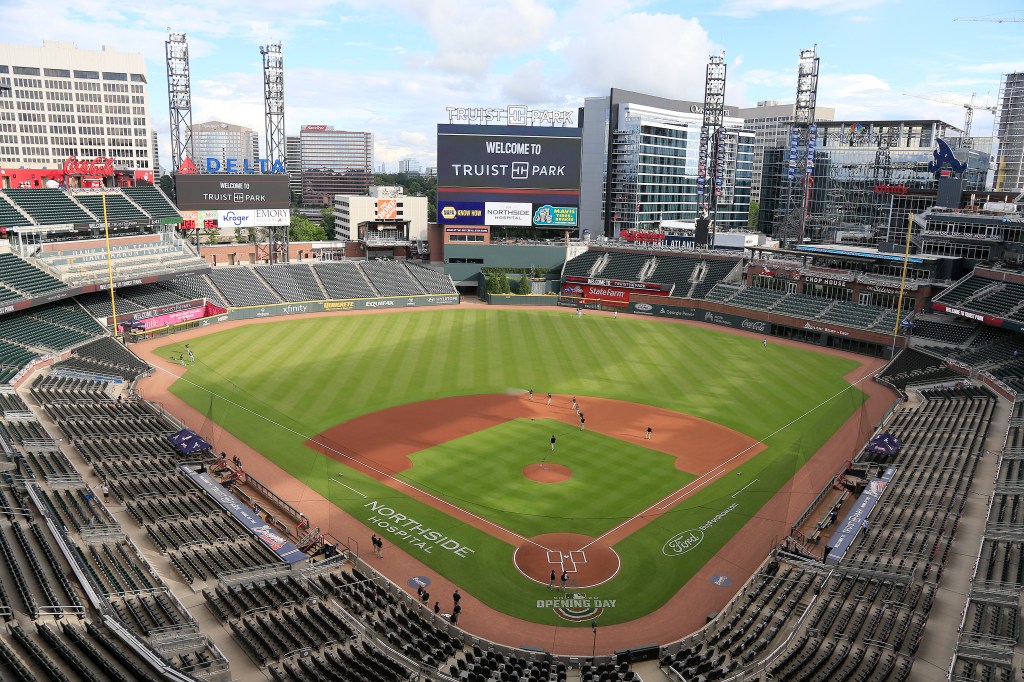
611, 481
276, 384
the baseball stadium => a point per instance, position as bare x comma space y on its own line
658, 462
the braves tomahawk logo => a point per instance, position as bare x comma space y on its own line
943, 156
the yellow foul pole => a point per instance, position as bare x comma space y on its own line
903, 277
110, 264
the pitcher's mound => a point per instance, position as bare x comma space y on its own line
587, 566
545, 472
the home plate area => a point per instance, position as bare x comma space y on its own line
586, 562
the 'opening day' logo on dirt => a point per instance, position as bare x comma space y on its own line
577, 606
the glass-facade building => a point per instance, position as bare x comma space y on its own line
868, 176
334, 162
223, 141
640, 158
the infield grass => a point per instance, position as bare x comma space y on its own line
612, 480
274, 385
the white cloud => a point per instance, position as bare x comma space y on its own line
750, 8
468, 38
527, 84
657, 54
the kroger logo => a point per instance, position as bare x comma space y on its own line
643, 306
755, 325
681, 543
236, 219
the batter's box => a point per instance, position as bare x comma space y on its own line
554, 557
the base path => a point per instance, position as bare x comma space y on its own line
684, 613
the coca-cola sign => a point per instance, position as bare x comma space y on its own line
99, 166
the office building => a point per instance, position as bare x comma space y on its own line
868, 177
396, 216
59, 101
334, 162
293, 164
640, 164
409, 166
222, 141
156, 156
1010, 131
771, 120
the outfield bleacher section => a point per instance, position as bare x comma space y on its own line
980, 294
152, 200
915, 367
344, 279
432, 281
193, 287
49, 206
84, 262
119, 208
241, 287
692, 276
11, 216
292, 282
24, 278
34, 332
391, 279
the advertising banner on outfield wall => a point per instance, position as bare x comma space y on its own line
278, 309
259, 217
248, 517
657, 310
508, 213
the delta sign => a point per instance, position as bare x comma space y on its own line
214, 165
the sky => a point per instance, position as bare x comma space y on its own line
391, 67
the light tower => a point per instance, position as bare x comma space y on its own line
273, 101
802, 140
273, 106
712, 147
179, 99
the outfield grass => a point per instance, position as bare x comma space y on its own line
274, 385
612, 480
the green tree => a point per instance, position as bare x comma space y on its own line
167, 185
506, 288
753, 214
212, 234
302, 229
327, 220
523, 287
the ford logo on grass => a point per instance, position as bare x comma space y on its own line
681, 543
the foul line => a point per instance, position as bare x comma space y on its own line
344, 486
352, 459
707, 476
733, 496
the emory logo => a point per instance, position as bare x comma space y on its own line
681, 543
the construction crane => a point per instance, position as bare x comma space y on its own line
997, 21
969, 106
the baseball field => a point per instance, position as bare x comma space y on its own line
420, 425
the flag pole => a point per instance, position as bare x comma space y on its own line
903, 281
110, 264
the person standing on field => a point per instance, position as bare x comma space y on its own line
650, 432
553, 439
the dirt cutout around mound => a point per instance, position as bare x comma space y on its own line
546, 472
